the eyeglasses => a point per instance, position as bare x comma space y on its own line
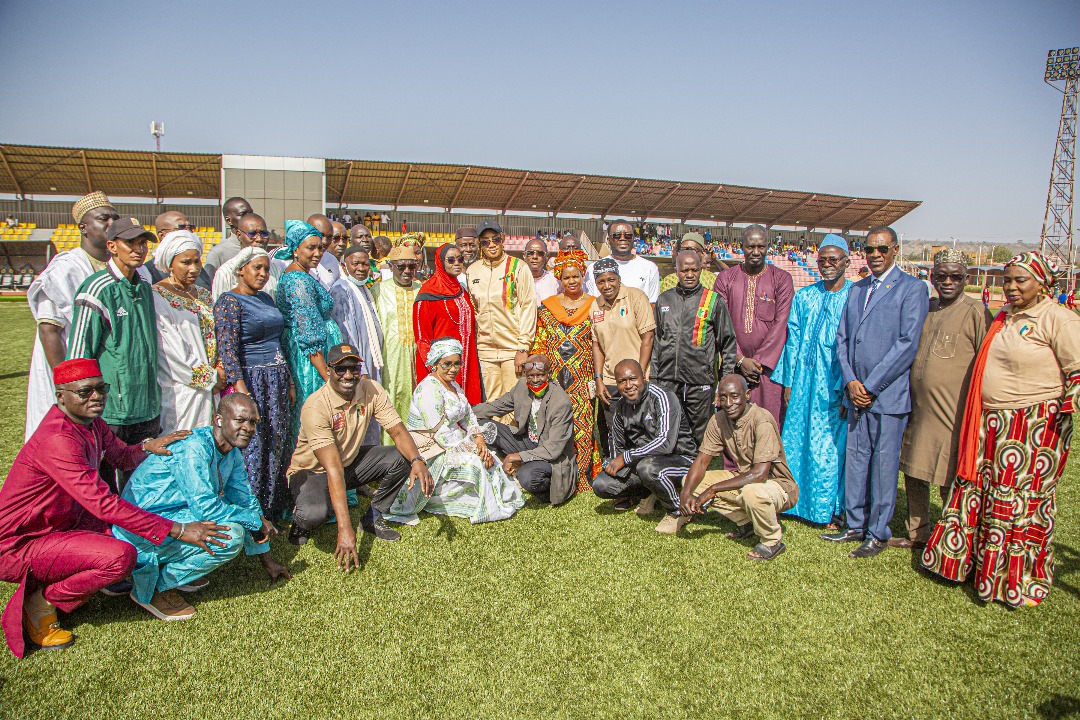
822, 260
447, 364
343, 370
257, 233
337, 238
454, 259
405, 265
185, 226
534, 366
626, 235
955, 277
534, 252
497, 240
85, 392
883, 249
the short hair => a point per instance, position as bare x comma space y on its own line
754, 230
231, 201
879, 229
232, 400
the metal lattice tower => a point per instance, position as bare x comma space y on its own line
1062, 73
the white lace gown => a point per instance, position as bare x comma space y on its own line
463, 486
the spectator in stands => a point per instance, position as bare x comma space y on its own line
623, 327
634, 271
347, 220
233, 209
187, 370
248, 327
51, 297
367, 218
384, 219
443, 309
864, 272
164, 224
55, 511
760, 488
759, 298
203, 476
652, 448
504, 295
10, 221
815, 431
328, 270
309, 331
114, 324
951, 337
380, 250
465, 239
394, 300
694, 339
692, 241
536, 256
876, 343
251, 231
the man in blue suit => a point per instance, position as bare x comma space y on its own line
876, 343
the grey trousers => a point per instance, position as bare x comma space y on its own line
533, 476
661, 475
311, 490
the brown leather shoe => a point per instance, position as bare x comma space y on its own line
904, 543
167, 606
46, 633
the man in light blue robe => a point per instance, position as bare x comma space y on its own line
815, 425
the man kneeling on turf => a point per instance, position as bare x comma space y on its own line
764, 486
539, 449
331, 458
204, 476
653, 448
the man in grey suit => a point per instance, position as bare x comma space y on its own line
876, 343
539, 448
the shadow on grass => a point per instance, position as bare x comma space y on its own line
447, 528
1067, 562
1058, 707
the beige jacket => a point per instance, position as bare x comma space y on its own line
502, 327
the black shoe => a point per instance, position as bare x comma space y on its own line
848, 535
870, 547
373, 523
296, 535
124, 587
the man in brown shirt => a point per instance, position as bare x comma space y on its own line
330, 457
763, 487
952, 334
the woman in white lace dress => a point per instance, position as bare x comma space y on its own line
469, 479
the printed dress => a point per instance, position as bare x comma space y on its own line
187, 354
463, 486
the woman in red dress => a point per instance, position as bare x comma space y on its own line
444, 309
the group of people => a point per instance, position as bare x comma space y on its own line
290, 384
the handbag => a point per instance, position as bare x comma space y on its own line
426, 444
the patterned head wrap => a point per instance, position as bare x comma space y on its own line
570, 258
948, 255
89, 202
248, 254
405, 247
296, 232
173, 244
605, 265
832, 240
441, 348
1042, 268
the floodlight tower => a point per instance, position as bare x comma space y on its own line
1062, 74
157, 129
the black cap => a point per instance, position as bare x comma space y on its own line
488, 225
127, 229
341, 352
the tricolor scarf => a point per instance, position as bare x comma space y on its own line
704, 314
538, 390
509, 281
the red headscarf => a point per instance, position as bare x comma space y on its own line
441, 285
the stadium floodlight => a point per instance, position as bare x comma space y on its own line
157, 129
1056, 240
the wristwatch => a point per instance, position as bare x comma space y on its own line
415, 459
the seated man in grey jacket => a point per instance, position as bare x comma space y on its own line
538, 449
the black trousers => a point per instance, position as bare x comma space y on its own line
661, 475
604, 420
533, 476
697, 403
132, 435
311, 490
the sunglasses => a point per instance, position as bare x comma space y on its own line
626, 235
497, 240
406, 265
343, 370
447, 364
534, 366
186, 226
822, 260
86, 392
534, 252
454, 259
883, 249
257, 233
955, 277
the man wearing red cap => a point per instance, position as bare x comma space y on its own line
55, 512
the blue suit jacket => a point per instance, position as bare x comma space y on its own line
877, 345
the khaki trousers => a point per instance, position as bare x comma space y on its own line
499, 377
919, 527
758, 503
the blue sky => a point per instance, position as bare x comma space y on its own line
936, 101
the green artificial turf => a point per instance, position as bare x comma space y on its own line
573, 612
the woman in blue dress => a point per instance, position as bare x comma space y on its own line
305, 307
249, 327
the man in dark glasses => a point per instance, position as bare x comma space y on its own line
164, 224
634, 270
536, 255
232, 210
394, 300
951, 337
251, 231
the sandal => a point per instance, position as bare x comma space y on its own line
740, 532
762, 551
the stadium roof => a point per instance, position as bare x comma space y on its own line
35, 170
